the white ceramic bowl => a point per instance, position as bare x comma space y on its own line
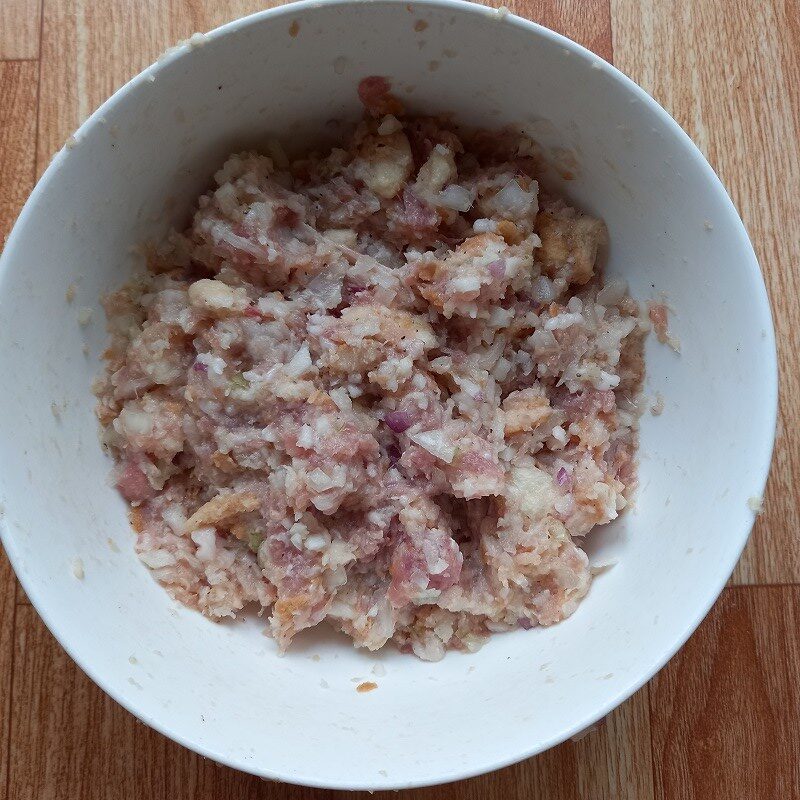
135, 169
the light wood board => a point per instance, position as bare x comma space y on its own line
723, 719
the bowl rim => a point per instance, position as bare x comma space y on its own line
762, 458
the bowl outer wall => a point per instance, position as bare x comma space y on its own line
221, 690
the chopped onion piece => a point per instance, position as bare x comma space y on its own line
300, 363
514, 201
497, 268
436, 444
398, 421
455, 197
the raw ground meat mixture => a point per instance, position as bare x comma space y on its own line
383, 387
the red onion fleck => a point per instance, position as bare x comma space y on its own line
199, 366
563, 477
394, 453
398, 421
418, 214
525, 623
497, 268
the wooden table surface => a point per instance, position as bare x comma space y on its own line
722, 720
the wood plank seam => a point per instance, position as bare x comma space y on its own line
18, 589
20, 598
10, 729
19, 76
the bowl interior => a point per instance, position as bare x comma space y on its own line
135, 170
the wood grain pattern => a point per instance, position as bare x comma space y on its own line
72, 741
743, 110
18, 96
18, 103
588, 22
725, 711
85, 59
19, 28
725, 714
7, 625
